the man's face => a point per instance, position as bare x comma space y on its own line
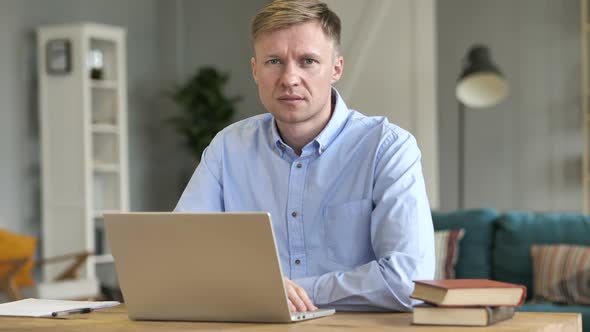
294, 69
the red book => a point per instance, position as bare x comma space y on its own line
469, 292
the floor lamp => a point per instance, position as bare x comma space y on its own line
480, 85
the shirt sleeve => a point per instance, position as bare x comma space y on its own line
402, 238
204, 191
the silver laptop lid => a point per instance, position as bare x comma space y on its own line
198, 267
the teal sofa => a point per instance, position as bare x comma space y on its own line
496, 246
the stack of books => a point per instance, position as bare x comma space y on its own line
466, 302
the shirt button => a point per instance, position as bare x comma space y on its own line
299, 165
294, 214
297, 262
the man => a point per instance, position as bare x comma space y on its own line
345, 191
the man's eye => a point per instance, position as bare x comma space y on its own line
309, 61
273, 61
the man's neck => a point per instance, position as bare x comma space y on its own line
298, 135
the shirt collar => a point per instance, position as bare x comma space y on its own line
330, 131
336, 123
275, 137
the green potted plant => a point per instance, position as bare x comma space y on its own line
205, 109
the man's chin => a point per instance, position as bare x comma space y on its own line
289, 120
289, 115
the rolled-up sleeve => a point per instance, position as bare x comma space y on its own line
402, 238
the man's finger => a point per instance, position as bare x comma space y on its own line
303, 296
291, 306
295, 299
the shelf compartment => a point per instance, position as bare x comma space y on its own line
103, 54
99, 237
106, 168
106, 191
105, 258
104, 107
105, 149
101, 84
105, 129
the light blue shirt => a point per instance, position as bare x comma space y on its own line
350, 214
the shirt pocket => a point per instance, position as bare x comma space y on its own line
347, 232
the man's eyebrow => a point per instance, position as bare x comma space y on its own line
307, 54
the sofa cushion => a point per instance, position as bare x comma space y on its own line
561, 273
517, 231
446, 245
476, 245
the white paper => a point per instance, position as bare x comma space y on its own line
44, 308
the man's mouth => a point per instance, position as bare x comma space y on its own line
291, 98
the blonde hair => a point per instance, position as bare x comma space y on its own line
282, 14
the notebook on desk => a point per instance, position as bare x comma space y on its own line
200, 267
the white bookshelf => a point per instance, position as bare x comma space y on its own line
84, 164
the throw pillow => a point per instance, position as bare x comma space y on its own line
561, 273
13, 246
446, 246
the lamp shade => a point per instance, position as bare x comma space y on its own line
481, 84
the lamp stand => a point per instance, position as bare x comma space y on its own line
461, 158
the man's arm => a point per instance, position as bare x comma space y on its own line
204, 191
402, 238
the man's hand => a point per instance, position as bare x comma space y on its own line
298, 299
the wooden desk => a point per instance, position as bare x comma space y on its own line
115, 319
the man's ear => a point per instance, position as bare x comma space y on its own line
253, 63
337, 69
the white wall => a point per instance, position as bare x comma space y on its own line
217, 32
526, 152
389, 69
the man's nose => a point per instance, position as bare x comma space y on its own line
290, 76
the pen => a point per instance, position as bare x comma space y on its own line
72, 311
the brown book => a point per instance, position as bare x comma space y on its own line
469, 292
464, 316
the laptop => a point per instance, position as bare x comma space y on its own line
220, 267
